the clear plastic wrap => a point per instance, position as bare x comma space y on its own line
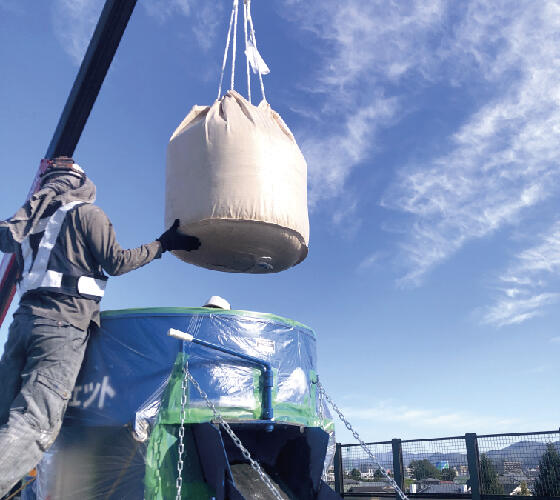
119, 438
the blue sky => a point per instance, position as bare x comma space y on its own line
431, 133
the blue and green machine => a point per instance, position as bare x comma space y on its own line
120, 438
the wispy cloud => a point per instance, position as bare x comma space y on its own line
73, 24
74, 20
528, 285
431, 418
366, 45
538, 260
164, 9
494, 167
555, 340
370, 261
206, 17
504, 159
513, 311
332, 158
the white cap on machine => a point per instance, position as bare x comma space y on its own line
218, 302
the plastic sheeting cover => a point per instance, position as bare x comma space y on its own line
120, 431
130, 360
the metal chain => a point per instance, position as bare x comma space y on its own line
245, 452
322, 424
180, 461
362, 444
321, 406
158, 465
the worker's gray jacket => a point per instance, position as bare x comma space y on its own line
86, 245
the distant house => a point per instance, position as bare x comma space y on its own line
509, 466
444, 487
436, 486
368, 473
514, 467
430, 481
374, 487
462, 470
511, 481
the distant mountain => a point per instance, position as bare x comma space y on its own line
528, 453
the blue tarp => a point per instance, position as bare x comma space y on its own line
130, 359
129, 390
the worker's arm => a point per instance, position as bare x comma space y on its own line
102, 242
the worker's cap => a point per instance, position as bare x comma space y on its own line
218, 302
62, 165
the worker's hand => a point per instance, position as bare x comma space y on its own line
173, 240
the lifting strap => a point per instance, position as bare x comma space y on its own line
254, 60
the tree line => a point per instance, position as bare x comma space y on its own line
547, 483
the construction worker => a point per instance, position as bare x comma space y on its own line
63, 243
217, 302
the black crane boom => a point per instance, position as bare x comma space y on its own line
101, 50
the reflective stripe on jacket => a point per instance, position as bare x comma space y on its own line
36, 257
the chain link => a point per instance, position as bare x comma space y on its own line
321, 404
321, 407
158, 466
245, 452
362, 444
180, 461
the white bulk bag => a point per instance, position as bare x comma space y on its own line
237, 179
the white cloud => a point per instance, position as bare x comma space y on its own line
555, 340
543, 258
74, 20
431, 418
512, 311
528, 282
164, 9
370, 261
365, 45
499, 164
73, 23
206, 18
504, 159
371, 41
332, 158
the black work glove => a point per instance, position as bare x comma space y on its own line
173, 240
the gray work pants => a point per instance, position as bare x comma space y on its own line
38, 370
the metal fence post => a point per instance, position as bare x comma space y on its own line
338, 471
398, 465
473, 461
